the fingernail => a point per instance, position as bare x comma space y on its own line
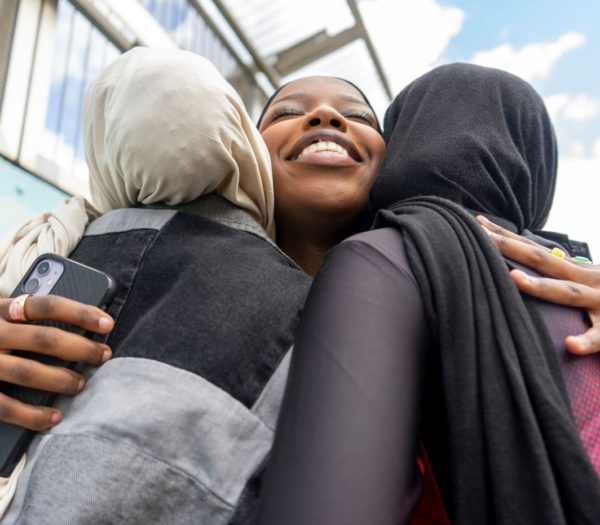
581, 342
105, 323
15, 310
80, 385
483, 219
557, 252
55, 418
582, 259
520, 274
106, 355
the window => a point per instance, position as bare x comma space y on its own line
8, 14
81, 52
23, 196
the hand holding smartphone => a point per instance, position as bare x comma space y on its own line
48, 345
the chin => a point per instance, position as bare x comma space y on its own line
348, 203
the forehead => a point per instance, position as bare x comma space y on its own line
319, 90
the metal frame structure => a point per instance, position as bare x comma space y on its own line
309, 50
108, 28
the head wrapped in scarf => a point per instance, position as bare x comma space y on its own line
479, 137
165, 126
159, 126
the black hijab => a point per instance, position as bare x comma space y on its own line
465, 139
476, 136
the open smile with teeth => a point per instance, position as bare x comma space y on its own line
323, 146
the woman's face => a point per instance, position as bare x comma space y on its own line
325, 147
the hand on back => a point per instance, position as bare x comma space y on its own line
49, 341
566, 281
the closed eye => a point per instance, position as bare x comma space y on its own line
284, 112
361, 116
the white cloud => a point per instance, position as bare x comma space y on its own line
576, 108
576, 149
410, 37
533, 61
575, 210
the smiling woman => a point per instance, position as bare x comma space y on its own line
326, 147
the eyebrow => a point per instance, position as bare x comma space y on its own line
302, 94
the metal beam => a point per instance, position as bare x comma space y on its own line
265, 68
213, 27
374, 56
313, 48
99, 19
8, 17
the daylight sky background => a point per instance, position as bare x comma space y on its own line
553, 44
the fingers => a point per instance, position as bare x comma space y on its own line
53, 342
31, 373
499, 230
540, 258
589, 341
28, 416
55, 308
586, 343
49, 341
570, 294
560, 292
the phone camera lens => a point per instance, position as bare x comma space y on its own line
32, 285
43, 268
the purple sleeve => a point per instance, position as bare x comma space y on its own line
346, 444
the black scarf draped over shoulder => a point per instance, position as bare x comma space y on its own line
465, 139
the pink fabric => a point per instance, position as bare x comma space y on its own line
582, 378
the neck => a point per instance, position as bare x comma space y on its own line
308, 255
307, 246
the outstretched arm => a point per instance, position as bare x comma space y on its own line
346, 444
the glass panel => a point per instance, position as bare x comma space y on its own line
81, 52
275, 25
8, 13
181, 20
351, 62
23, 196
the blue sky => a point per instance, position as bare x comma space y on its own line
525, 22
554, 44
520, 23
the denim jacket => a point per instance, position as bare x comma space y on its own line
177, 426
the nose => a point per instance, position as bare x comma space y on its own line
325, 117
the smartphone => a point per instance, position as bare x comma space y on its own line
59, 276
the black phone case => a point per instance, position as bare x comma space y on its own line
78, 282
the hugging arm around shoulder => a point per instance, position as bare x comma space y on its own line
346, 444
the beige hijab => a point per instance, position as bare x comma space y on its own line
159, 126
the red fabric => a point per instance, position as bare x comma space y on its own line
430, 509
